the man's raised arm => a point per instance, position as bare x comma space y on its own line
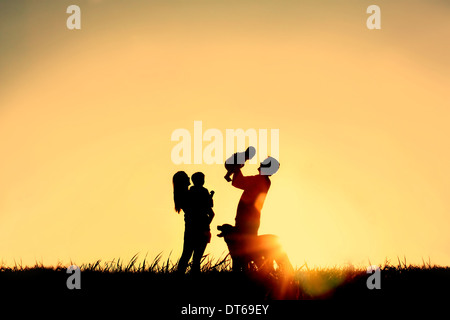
239, 181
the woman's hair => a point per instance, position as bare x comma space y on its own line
180, 182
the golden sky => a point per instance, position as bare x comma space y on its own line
86, 118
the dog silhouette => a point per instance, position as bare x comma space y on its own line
250, 252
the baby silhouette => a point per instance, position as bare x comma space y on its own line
237, 160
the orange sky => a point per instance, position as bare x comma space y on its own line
86, 118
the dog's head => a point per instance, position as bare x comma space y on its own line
226, 230
235, 241
232, 238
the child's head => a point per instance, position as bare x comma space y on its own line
198, 179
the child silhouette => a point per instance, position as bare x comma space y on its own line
202, 201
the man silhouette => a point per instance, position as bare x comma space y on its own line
255, 190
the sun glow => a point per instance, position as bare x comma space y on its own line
86, 121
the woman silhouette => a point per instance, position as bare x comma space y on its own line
196, 233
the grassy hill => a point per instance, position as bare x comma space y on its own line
157, 281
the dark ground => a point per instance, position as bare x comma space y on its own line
225, 287
153, 290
